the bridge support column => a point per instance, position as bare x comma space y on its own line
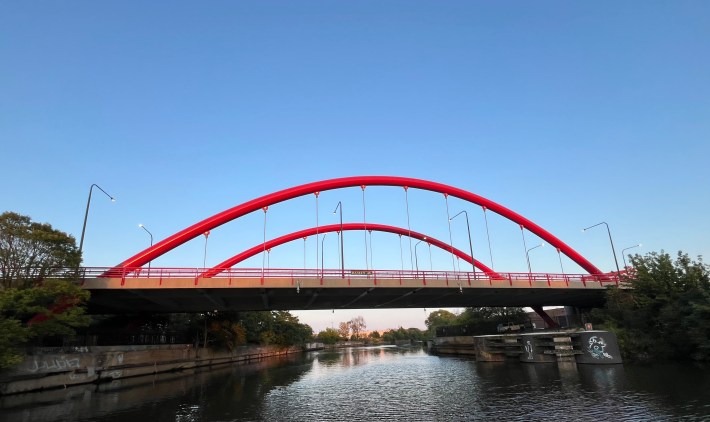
548, 321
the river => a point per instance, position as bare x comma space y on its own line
381, 383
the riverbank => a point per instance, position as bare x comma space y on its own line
57, 368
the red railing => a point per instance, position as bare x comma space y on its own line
454, 278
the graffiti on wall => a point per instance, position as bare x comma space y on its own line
596, 348
529, 349
53, 364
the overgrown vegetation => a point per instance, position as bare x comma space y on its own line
33, 309
482, 320
666, 313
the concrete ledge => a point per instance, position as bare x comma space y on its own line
46, 368
584, 347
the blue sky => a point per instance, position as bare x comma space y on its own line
569, 113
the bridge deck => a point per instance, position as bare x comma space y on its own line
185, 291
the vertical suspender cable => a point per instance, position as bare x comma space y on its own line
409, 228
488, 235
559, 255
401, 257
317, 229
431, 265
364, 220
451, 239
372, 261
525, 246
263, 254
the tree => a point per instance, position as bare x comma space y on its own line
30, 251
485, 320
666, 312
51, 311
344, 330
439, 318
33, 306
278, 328
400, 334
328, 336
357, 326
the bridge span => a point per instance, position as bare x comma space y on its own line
243, 289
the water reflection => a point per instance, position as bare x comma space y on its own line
148, 398
362, 384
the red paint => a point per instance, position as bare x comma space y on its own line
223, 217
346, 227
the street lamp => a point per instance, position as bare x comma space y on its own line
342, 250
623, 256
616, 262
204, 256
527, 255
470, 245
416, 258
86, 214
151, 240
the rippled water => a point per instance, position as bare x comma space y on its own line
383, 383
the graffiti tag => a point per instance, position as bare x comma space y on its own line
596, 348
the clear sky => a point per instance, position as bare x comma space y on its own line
569, 113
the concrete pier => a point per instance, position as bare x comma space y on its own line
582, 347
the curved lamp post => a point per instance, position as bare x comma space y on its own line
616, 262
527, 255
86, 214
470, 245
151, 240
623, 256
416, 258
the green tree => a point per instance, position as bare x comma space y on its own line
412, 334
439, 318
30, 251
35, 304
279, 328
51, 311
665, 314
485, 320
328, 336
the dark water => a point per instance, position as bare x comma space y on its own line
384, 383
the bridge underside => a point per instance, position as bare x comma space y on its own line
111, 295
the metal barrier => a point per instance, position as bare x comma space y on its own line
456, 278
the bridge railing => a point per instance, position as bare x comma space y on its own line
455, 277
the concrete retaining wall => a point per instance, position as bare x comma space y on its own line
47, 368
584, 347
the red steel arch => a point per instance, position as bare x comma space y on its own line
346, 227
223, 217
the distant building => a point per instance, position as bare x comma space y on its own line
559, 315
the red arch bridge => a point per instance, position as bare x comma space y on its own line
136, 287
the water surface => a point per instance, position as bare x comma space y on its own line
381, 383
